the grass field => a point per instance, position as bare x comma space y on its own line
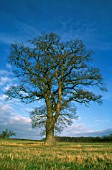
33, 155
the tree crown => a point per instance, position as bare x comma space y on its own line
56, 72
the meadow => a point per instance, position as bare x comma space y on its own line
34, 155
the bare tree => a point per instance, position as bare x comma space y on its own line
57, 73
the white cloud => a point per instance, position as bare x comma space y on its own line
8, 66
4, 80
4, 72
74, 129
20, 118
6, 77
3, 97
6, 87
12, 120
21, 124
83, 130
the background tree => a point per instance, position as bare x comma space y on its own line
7, 133
59, 74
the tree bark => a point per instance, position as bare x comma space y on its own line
50, 139
51, 120
50, 124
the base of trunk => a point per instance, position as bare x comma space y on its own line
50, 141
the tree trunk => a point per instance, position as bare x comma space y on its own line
50, 140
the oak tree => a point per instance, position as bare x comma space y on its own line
56, 72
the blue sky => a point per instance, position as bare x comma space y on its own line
90, 21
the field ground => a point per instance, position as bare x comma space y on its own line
34, 155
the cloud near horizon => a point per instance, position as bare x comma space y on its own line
12, 120
13, 116
21, 125
77, 130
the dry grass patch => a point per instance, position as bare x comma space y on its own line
32, 155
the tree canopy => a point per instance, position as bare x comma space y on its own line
56, 72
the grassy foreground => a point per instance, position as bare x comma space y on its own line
33, 155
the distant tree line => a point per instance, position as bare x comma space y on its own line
85, 139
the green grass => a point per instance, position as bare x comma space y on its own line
34, 155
